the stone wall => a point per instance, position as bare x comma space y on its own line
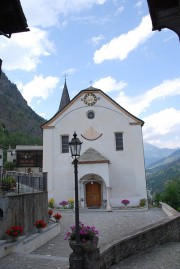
23, 209
165, 231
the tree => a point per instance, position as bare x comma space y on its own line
9, 166
171, 195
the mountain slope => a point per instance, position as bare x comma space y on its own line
167, 160
15, 114
158, 176
153, 153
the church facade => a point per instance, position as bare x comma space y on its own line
111, 165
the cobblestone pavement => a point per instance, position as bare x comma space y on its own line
164, 256
112, 227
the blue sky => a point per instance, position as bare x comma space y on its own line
108, 42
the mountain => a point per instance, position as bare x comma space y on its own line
167, 160
163, 171
15, 114
153, 153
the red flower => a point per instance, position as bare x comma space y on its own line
14, 231
40, 224
50, 211
57, 216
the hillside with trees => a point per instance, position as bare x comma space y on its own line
15, 113
19, 124
162, 172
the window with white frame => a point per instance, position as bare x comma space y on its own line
65, 143
119, 141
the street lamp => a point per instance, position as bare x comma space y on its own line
75, 148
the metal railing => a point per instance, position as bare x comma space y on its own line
23, 183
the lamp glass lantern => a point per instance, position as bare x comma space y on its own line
75, 146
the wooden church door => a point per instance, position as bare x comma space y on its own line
93, 194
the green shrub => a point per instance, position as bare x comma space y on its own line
8, 183
171, 195
142, 202
157, 199
9, 166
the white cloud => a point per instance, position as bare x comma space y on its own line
139, 104
42, 114
120, 47
23, 51
46, 13
38, 87
96, 39
109, 84
163, 128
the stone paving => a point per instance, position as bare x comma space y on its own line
112, 227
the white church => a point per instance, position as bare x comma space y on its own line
111, 164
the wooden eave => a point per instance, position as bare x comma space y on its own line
12, 18
46, 125
165, 14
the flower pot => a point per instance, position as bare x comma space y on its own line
90, 245
50, 215
40, 229
14, 238
87, 246
57, 220
72, 244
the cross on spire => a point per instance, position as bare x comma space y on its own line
65, 76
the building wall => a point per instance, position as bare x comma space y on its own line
28, 158
126, 174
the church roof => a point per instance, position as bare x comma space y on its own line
90, 89
65, 99
92, 156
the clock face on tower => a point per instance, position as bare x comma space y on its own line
90, 99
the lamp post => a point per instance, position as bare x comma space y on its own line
75, 148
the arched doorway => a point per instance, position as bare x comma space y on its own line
93, 194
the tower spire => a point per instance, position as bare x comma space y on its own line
65, 99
